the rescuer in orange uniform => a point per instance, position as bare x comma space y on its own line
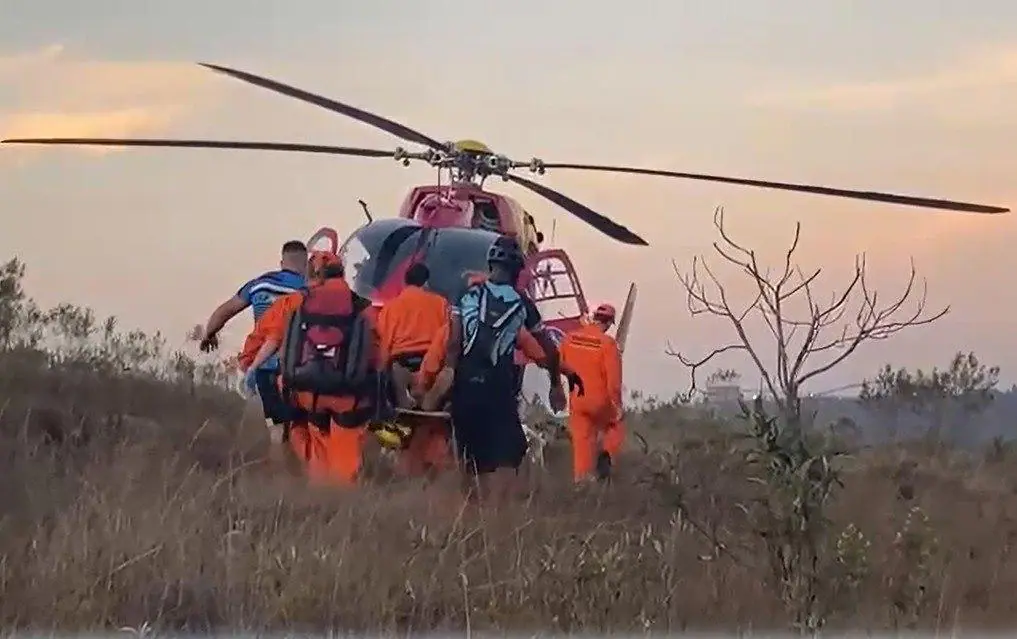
406, 326
595, 407
330, 439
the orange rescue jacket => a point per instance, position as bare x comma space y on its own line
409, 322
272, 327
593, 355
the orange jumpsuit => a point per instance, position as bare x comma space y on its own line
334, 456
434, 359
252, 343
428, 448
408, 323
596, 414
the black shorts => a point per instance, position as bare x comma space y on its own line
272, 402
520, 376
486, 426
410, 361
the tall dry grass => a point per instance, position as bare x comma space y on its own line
139, 496
132, 502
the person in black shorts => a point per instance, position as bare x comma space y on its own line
485, 418
259, 294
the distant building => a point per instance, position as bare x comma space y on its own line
720, 393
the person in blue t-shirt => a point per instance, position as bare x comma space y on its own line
259, 293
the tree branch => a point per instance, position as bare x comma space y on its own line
796, 340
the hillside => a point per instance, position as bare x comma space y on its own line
138, 496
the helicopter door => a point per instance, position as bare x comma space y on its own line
553, 285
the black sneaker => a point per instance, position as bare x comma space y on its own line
603, 466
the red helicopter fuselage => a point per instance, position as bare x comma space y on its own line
451, 229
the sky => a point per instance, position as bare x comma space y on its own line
910, 96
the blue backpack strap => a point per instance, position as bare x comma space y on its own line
506, 327
492, 330
472, 306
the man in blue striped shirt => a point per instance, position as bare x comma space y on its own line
258, 294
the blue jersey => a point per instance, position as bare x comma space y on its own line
265, 289
491, 316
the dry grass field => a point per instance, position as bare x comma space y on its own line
137, 494
132, 502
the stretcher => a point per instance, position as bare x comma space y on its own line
416, 412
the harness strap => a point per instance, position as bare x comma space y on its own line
370, 404
369, 393
332, 321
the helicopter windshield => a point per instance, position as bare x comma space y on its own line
375, 251
452, 255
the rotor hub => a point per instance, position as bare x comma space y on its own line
468, 160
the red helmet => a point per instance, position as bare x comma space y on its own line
605, 312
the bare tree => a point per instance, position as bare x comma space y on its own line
810, 337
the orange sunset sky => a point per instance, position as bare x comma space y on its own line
913, 97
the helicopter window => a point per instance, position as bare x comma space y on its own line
373, 249
396, 248
452, 255
486, 216
373, 252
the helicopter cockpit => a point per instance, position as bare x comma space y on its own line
380, 249
486, 216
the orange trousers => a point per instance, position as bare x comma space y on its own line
333, 457
428, 448
330, 457
591, 433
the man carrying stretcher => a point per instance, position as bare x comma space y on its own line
406, 326
331, 369
477, 369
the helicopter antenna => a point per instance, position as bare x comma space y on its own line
554, 229
367, 211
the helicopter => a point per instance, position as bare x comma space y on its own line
451, 226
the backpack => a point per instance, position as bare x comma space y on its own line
327, 347
492, 315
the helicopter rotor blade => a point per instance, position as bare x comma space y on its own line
596, 220
393, 128
208, 144
873, 196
